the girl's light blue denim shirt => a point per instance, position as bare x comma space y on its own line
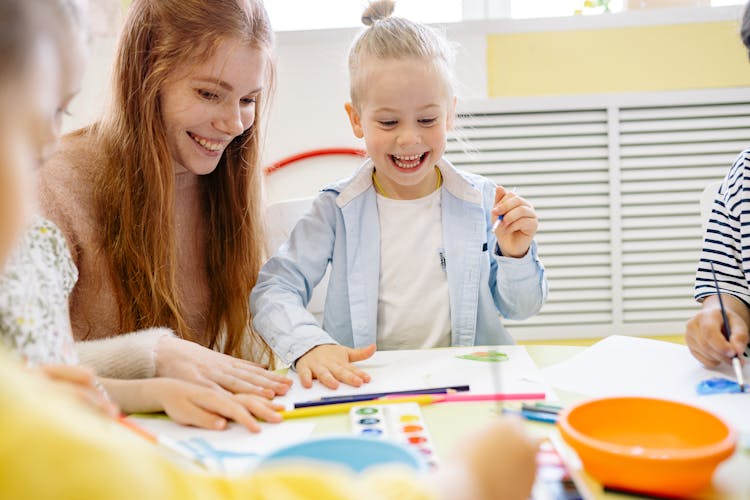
342, 230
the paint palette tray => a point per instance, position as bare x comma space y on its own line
553, 478
400, 422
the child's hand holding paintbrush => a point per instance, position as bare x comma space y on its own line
515, 223
726, 330
719, 332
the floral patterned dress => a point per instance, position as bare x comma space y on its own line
34, 290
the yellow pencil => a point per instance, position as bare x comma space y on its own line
314, 411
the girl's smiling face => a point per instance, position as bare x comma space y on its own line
204, 109
404, 115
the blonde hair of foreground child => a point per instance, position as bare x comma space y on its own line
30, 74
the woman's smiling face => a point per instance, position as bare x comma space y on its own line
205, 108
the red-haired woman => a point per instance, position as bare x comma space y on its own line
160, 199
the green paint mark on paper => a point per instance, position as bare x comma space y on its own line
486, 356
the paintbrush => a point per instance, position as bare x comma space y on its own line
725, 330
495, 373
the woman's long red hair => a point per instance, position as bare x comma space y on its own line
135, 194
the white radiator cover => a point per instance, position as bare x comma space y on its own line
616, 181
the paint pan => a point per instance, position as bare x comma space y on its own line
402, 423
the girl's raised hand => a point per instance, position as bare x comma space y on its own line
185, 360
331, 364
519, 225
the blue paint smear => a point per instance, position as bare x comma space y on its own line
203, 451
717, 385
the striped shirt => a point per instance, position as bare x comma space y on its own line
726, 241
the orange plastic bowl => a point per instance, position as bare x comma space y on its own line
644, 445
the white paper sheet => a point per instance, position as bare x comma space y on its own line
421, 369
631, 366
233, 451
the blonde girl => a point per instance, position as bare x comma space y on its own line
416, 258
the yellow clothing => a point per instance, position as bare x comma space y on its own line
51, 447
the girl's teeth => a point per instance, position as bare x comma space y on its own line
409, 161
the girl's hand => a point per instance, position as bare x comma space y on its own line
519, 225
703, 332
191, 404
82, 383
331, 364
185, 360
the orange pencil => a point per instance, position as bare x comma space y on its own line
164, 442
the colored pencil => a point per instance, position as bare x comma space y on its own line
542, 407
164, 442
465, 398
536, 416
314, 411
352, 398
455, 398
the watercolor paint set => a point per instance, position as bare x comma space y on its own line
553, 478
402, 423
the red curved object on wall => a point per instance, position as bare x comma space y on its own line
313, 153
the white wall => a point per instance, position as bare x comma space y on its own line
308, 106
312, 84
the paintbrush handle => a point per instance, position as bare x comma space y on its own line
724, 318
727, 332
738, 372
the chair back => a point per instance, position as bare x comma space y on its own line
281, 217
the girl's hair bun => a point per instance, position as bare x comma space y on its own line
378, 10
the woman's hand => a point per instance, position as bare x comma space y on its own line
519, 225
185, 360
331, 364
191, 404
82, 383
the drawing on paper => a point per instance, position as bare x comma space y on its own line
486, 356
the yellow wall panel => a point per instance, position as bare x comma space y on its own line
633, 59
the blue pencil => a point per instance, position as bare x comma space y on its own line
536, 416
353, 398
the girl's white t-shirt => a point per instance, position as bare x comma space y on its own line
413, 299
